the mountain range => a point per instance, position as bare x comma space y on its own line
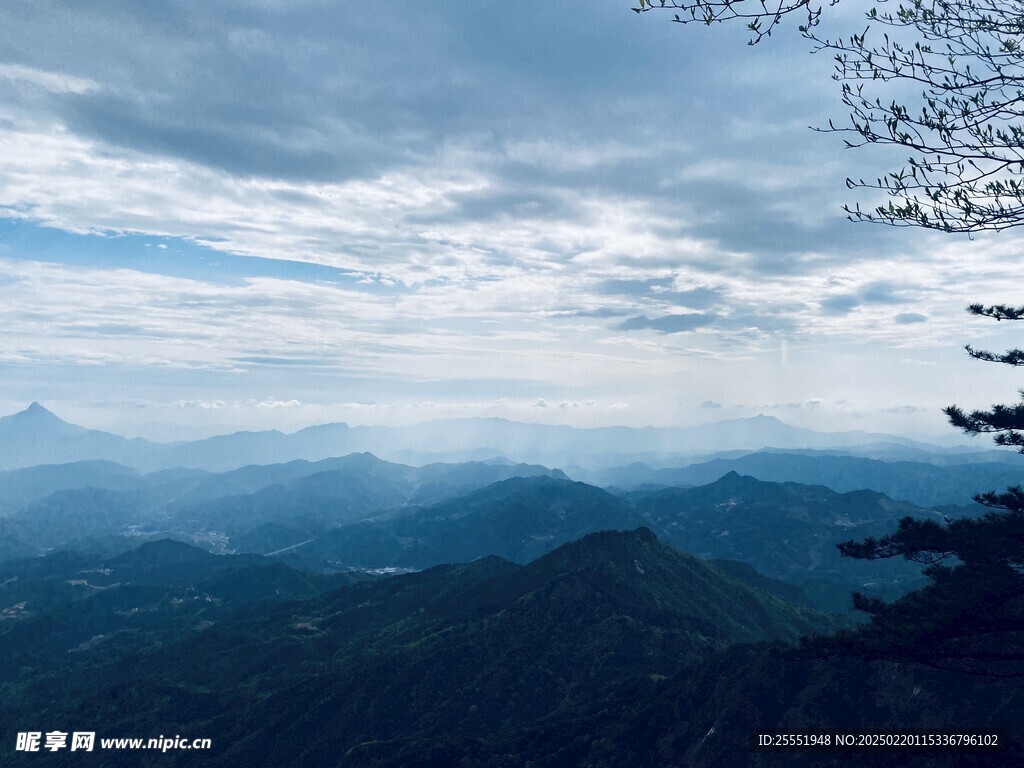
306, 603
360, 512
37, 436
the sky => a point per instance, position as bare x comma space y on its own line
266, 214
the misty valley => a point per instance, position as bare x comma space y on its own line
626, 605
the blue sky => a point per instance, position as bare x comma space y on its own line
270, 214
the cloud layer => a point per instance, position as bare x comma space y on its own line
482, 207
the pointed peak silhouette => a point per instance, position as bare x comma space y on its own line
36, 412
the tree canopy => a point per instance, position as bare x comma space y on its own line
970, 617
941, 79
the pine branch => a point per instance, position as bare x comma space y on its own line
997, 311
1010, 357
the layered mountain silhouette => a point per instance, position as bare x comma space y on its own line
787, 531
518, 519
359, 512
536, 619
920, 482
22, 487
37, 436
257, 508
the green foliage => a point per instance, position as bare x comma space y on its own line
1005, 422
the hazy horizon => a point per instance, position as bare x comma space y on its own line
161, 434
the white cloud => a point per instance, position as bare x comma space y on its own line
272, 402
54, 82
494, 201
205, 405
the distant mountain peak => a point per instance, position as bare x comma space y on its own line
37, 416
732, 476
734, 481
37, 411
607, 544
762, 420
645, 534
